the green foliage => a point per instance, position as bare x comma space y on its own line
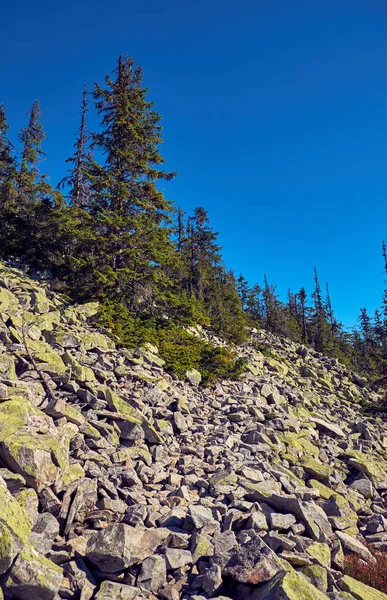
373, 574
181, 350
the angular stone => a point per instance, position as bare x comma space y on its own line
280, 521
359, 590
153, 573
212, 580
288, 586
110, 590
353, 545
32, 576
200, 515
327, 427
194, 377
44, 533
111, 548
15, 527
252, 562
177, 558
58, 408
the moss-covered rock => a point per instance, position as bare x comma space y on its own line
33, 576
359, 590
321, 552
15, 527
290, 586
133, 415
318, 576
313, 466
376, 469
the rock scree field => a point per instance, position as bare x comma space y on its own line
119, 481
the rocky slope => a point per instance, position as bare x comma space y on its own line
118, 481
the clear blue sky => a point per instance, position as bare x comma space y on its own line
275, 117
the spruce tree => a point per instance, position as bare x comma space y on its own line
130, 212
77, 179
31, 184
302, 296
8, 171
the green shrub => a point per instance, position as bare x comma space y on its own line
180, 350
373, 574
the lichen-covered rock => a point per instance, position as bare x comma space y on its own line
111, 549
15, 527
359, 590
32, 576
289, 586
110, 590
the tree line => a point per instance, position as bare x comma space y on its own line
107, 232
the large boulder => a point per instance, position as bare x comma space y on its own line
32, 576
15, 527
111, 548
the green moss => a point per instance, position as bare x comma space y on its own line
299, 442
132, 415
15, 527
359, 590
317, 575
321, 552
202, 547
311, 465
290, 586
375, 469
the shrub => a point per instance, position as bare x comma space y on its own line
370, 573
180, 350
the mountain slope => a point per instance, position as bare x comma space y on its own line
119, 481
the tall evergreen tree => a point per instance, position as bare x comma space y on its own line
130, 210
31, 184
77, 179
302, 296
243, 291
7, 160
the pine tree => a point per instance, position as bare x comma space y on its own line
203, 253
7, 160
243, 291
77, 179
302, 296
255, 308
31, 184
274, 320
130, 211
8, 224
319, 320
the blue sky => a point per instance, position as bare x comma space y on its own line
275, 117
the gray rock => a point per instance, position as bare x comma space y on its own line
110, 590
111, 548
153, 574
32, 576
177, 558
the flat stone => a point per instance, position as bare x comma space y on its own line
177, 558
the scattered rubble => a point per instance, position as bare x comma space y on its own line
118, 481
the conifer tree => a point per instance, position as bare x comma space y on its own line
243, 291
8, 223
77, 179
31, 184
302, 296
7, 160
130, 210
274, 320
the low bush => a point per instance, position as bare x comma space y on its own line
373, 574
180, 350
